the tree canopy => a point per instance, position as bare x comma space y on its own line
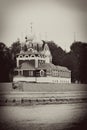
57, 53
6, 63
16, 47
79, 49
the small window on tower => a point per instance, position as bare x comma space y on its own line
30, 49
38, 55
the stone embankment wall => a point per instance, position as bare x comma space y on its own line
45, 87
32, 93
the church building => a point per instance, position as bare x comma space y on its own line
35, 64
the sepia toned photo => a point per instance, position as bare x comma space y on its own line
43, 64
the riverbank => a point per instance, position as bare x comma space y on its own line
38, 98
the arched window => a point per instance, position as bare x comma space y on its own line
21, 56
38, 55
32, 56
26, 56
42, 73
30, 49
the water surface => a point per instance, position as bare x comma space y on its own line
44, 117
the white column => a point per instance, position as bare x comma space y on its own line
36, 63
17, 62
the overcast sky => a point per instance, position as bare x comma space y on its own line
56, 20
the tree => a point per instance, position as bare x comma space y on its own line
25, 47
76, 61
80, 51
6, 63
15, 48
57, 53
71, 62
